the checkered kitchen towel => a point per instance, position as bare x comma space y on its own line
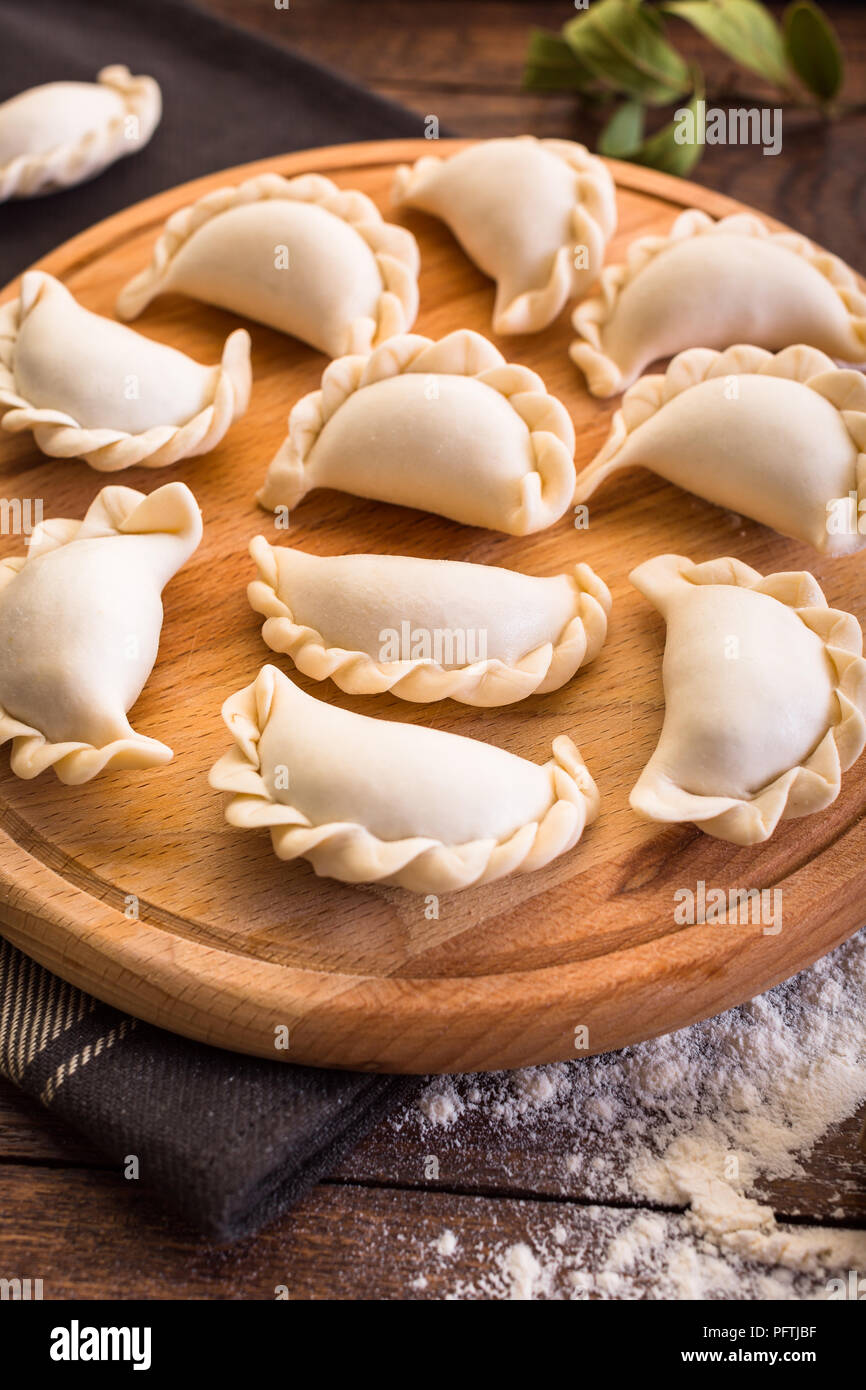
226, 1141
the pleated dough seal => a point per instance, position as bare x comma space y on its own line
713, 284
486, 636
80, 620
91, 388
63, 133
765, 698
301, 255
372, 801
781, 439
448, 427
534, 215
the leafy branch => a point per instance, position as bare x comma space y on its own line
619, 51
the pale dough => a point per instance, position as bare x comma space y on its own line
301, 255
714, 284
374, 801
778, 438
60, 134
534, 215
91, 388
80, 620
448, 427
475, 633
765, 698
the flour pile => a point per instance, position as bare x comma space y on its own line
694, 1123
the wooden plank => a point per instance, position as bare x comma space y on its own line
87, 1237
480, 1153
30, 1132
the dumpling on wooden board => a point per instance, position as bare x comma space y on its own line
765, 698
91, 388
301, 255
428, 629
780, 438
448, 427
80, 620
713, 284
374, 801
534, 215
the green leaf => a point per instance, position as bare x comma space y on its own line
813, 50
627, 51
744, 29
664, 151
551, 66
623, 134
661, 151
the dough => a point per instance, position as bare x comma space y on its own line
91, 388
373, 801
778, 438
301, 255
60, 134
427, 629
447, 427
713, 284
765, 698
534, 215
80, 619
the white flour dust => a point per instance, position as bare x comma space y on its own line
694, 1123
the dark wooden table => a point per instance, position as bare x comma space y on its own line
375, 1229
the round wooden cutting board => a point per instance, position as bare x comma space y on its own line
229, 945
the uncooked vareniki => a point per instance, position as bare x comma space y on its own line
765, 698
80, 619
91, 388
301, 255
534, 215
779, 438
713, 284
65, 132
373, 801
449, 427
427, 629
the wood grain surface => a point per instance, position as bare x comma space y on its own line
374, 1229
230, 943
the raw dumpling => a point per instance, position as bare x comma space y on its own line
427, 629
91, 388
713, 284
534, 215
301, 255
372, 801
765, 698
449, 427
80, 620
65, 132
781, 439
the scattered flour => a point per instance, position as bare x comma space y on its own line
440, 1107
523, 1270
447, 1243
694, 1122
